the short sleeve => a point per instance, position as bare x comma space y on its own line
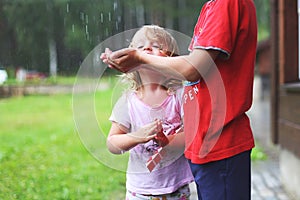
120, 112
217, 26
179, 99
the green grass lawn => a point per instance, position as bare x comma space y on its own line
42, 157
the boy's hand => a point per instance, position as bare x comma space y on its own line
123, 60
105, 57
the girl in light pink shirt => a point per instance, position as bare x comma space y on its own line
147, 122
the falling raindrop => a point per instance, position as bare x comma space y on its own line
68, 8
115, 6
86, 30
73, 28
82, 16
101, 17
109, 16
118, 21
86, 19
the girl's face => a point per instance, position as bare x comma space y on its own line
153, 47
149, 46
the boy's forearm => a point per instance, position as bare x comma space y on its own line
188, 67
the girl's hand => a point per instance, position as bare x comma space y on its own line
161, 139
147, 132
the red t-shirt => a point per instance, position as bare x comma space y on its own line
216, 125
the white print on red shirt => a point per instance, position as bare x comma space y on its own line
190, 94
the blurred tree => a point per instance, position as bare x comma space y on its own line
29, 39
263, 18
35, 28
58, 34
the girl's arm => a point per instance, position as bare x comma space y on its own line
119, 140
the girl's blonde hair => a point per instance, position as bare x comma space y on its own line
168, 45
159, 35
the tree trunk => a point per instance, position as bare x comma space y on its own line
52, 58
51, 41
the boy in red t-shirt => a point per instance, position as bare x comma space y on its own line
218, 93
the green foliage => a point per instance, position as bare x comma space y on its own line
258, 154
77, 26
41, 156
20, 17
263, 18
